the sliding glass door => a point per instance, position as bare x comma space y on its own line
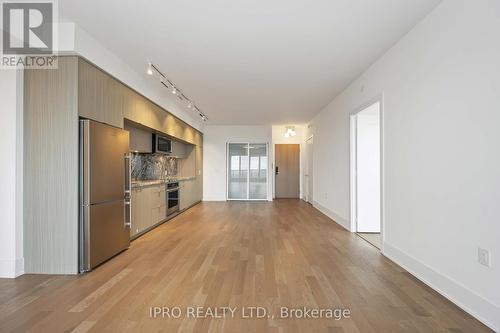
237, 181
257, 184
247, 171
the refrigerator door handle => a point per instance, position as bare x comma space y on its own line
128, 175
128, 213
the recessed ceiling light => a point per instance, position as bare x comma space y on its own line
289, 131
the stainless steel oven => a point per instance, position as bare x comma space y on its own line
173, 195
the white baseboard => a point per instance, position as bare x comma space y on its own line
11, 268
335, 217
477, 306
213, 199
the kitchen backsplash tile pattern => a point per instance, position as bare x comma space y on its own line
153, 166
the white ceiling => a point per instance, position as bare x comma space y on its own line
251, 62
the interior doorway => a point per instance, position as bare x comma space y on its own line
366, 173
309, 176
247, 171
287, 171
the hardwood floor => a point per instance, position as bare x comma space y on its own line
374, 239
280, 254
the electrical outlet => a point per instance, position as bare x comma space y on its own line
483, 257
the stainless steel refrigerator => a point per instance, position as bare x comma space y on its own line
105, 184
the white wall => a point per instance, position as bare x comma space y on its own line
441, 87
11, 223
215, 139
278, 138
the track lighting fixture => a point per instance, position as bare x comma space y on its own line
151, 69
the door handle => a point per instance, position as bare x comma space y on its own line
128, 175
128, 214
277, 171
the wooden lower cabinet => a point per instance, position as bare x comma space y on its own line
188, 194
149, 207
140, 211
185, 194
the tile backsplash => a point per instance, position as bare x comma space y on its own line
153, 166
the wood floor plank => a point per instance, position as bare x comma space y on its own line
278, 254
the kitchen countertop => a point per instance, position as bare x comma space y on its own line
144, 183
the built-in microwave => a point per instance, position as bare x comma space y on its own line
161, 144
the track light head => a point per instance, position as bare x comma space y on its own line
151, 69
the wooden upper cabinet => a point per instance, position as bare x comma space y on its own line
198, 139
107, 100
100, 96
131, 101
178, 149
171, 126
158, 117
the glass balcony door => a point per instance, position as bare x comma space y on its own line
237, 188
247, 171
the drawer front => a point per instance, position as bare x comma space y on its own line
158, 196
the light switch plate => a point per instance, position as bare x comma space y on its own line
484, 257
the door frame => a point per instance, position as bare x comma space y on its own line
309, 197
248, 174
353, 164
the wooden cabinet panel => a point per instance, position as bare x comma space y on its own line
155, 216
148, 208
170, 126
186, 167
157, 117
100, 96
141, 210
135, 107
140, 140
158, 196
198, 190
178, 149
157, 201
158, 214
186, 194
198, 138
51, 168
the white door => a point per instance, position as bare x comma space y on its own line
367, 127
309, 174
